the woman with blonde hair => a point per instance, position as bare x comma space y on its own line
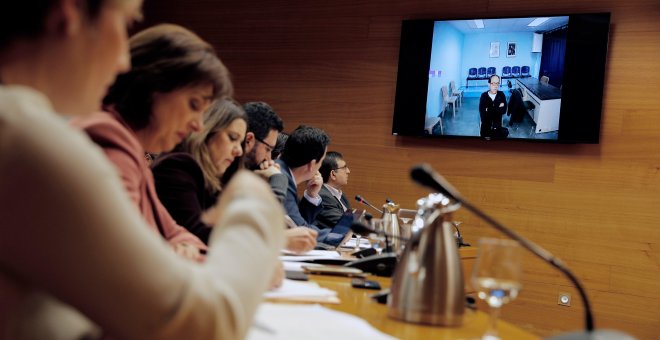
77, 260
190, 180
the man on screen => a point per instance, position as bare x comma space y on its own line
492, 105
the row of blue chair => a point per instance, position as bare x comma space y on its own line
507, 72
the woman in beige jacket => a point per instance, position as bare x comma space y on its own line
76, 259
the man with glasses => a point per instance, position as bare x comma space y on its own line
492, 105
334, 171
263, 127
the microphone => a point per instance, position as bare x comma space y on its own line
423, 174
363, 201
368, 217
459, 238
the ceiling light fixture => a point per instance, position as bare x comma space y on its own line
537, 22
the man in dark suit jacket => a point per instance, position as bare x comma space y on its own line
300, 162
334, 171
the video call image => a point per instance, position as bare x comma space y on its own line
497, 78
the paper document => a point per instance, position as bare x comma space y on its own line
302, 292
310, 255
285, 322
298, 266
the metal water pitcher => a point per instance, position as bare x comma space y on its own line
428, 286
391, 225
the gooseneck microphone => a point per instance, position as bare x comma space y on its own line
363, 201
362, 229
459, 239
423, 174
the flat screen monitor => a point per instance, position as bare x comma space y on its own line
533, 78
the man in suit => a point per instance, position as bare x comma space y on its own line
300, 162
334, 171
301, 159
492, 105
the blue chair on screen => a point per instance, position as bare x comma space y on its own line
482, 73
515, 71
491, 71
506, 72
524, 71
472, 74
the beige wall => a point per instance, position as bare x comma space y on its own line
333, 64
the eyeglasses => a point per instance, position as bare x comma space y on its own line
269, 147
345, 167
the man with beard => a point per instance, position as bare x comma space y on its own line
263, 127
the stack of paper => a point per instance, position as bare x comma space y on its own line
302, 292
282, 321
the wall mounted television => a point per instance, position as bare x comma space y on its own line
551, 69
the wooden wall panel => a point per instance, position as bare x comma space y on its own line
333, 64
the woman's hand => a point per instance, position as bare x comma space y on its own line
278, 276
188, 251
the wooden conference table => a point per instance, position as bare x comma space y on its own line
358, 302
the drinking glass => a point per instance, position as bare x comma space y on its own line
496, 276
358, 237
377, 241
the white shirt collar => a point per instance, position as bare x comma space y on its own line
336, 193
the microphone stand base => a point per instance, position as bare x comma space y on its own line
380, 265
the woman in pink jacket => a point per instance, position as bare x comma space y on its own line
175, 76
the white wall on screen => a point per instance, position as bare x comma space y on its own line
445, 57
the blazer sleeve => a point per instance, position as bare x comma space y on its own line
180, 187
278, 183
308, 210
501, 99
291, 206
303, 213
105, 262
125, 153
330, 213
483, 104
174, 233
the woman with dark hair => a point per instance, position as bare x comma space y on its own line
175, 76
77, 259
